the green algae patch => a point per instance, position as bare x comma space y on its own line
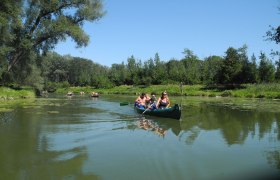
53, 112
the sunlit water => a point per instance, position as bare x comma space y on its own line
85, 138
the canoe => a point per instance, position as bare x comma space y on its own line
173, 112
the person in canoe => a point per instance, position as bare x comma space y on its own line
163, 101
70, 93
94, 94
152, 102
141, 100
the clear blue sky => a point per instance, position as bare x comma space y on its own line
207, 27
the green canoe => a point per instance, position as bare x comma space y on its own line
173, 112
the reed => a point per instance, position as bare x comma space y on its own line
10, 94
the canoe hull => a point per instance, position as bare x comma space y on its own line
173, 112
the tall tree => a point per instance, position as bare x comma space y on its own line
160, 70
118, 74
254, 69
266, 69
132, 70
277, 73
43, 23
211, 67
10, 12
248, 69
176, 70
193, 68
231, 67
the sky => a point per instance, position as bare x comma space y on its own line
143, 28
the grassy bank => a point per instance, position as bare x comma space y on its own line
10, 94
248, 91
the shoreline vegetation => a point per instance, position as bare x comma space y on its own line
7, 93
268, 91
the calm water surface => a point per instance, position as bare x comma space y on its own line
85, 138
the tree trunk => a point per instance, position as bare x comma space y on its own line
15, 60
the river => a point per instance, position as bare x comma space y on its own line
95, 138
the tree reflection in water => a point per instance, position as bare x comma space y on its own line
234, 125
273, 158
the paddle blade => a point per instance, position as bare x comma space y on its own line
124, 103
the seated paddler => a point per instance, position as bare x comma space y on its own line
163, 101
141, 100
152, 101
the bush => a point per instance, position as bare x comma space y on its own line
8, 93
226, 93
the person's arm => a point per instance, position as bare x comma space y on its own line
157, 104
168, 104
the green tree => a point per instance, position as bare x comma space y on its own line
211, 67
149, 72
176, 70
266, 69
160, 70
277, 73
118, 74
43, 23
193, 68
134, 71
10, 12
248, 70
189, 54
231, 67
80, 72
100, 76
253, 69
58, 68
273, 34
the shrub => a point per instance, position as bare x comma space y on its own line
226, 93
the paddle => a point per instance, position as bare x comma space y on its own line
124, 103
146, 109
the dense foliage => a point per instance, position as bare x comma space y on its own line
31, 28
232, 69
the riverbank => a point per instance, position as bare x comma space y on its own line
11, 94
271, 91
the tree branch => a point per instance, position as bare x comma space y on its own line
45, 13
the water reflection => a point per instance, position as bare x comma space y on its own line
150, 125
84, 138
26, 151
273, 158
234, 125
